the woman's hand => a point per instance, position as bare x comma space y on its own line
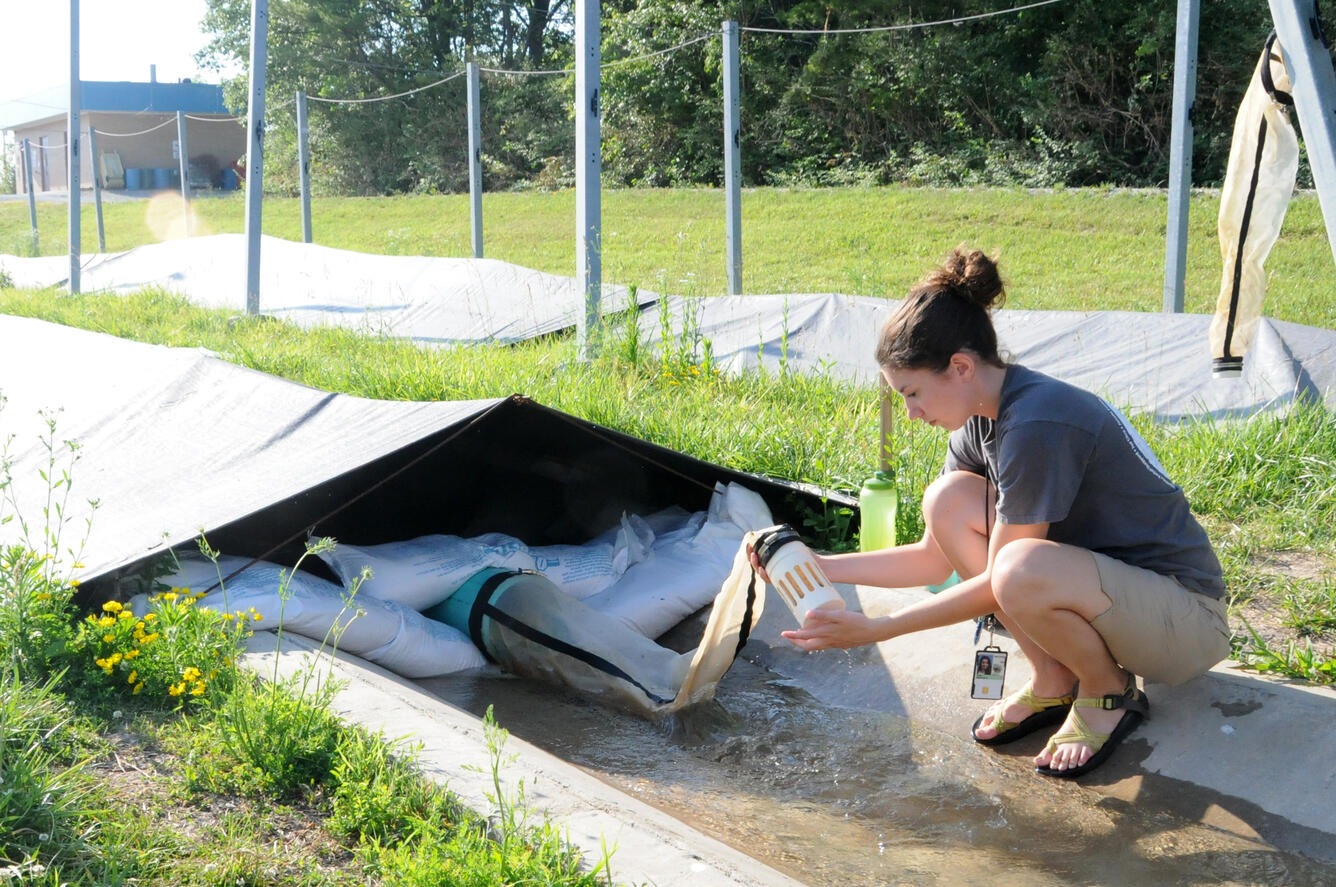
756, 563
825, 628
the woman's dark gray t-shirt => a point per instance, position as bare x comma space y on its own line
1062, 456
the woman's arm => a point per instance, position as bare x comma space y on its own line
969, 599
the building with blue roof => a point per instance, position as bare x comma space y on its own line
136, 130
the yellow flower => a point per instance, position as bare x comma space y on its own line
102, 663
198, 691
131, 654
134, 676
44, 596
113, 606
108, 638
125, 614
258, 617
76, 566
149, 617
139, 686
168, 596
116, 657
191, 673
176, 689
74, 583
106, 622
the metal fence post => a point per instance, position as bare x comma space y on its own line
588, 170
1180, 155
255, 150
32, 198
97, 189
475, 159
185, 166
72, 137
732, 161
304, 165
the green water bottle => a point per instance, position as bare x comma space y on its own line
877, 504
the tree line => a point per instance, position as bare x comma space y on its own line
1079, 92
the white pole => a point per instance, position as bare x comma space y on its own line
1313, 80
1180, 155
255, 150
732, 161
97, 189
304, 165
185, 166
475, 159
32, 198
73, 145
588, 170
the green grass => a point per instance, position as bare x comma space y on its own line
1086, 249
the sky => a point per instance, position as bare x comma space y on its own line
118, 40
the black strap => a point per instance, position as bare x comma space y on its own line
1269, 82
479, 607
1228, 346
745, 631
483, 606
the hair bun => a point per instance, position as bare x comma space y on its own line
970, 274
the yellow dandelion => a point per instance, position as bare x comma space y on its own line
113, 607
258, 618
168, 596
108, 638
74, 583
139, 686
191, 673
106, 621
125, 614
134, 676
176, 689
44, 596
150, 617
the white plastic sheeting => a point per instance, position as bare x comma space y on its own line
425, 298
1153, 363
1159, 364
173, 440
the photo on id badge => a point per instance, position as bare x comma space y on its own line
990, 671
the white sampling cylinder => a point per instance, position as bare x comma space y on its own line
794, 572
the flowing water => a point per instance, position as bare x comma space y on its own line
834, 796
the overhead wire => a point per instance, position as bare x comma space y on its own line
907, 26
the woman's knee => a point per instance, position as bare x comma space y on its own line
1022, 569
952, 498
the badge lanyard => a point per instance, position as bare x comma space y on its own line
990, 662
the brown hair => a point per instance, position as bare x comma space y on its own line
944, 313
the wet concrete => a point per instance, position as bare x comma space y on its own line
854, 768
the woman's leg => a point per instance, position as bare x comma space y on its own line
954, 511
1051, 593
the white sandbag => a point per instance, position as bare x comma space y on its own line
388, 634
423, 648
686, 565
528, 626
421, 572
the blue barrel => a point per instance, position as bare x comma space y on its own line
229, 179
162, 178
132, 180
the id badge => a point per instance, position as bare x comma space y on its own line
990, 672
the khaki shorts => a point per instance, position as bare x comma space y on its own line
1156, 628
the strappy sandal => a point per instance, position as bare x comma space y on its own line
1048, 710
1102, 744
